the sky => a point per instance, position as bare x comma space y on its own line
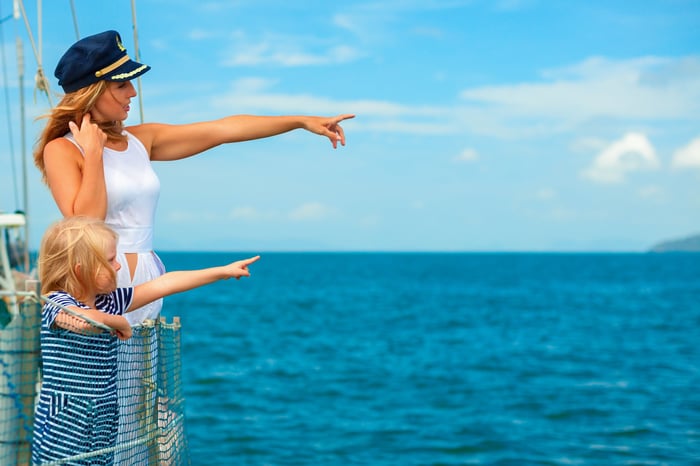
502, 125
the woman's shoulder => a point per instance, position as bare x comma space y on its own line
142, 134
65, 139
64, 143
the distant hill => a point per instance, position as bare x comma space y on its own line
689, 244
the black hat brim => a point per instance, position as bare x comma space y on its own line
126, 72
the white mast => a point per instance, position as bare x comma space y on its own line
137, 56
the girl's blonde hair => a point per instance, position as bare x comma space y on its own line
71, 242
72, 107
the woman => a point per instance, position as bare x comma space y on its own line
95, 166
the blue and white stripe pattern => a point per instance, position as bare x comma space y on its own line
77, 410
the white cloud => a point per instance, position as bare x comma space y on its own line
651, 192
565, 100
287, 51
467, 155
370, 221
310, 211
633, 152
430, 32
648, 88
688, 156
587, 145
248, 213
348, 22
562, 213
303, 212
372, 20
255, 95
343, 54
545, 194
252, 85
200, 34
189, 216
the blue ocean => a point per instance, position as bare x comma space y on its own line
443, 359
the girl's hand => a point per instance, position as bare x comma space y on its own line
239, 269
123, 329
124, 334
329, 127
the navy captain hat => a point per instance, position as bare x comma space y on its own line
94, 58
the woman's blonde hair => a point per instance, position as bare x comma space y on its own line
71, 242
72, 107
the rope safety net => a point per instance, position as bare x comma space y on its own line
82, 396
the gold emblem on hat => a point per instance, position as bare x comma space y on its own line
119, 44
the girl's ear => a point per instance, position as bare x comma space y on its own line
78, 270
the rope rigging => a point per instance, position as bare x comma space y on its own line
10, 130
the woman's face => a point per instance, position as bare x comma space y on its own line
113, 104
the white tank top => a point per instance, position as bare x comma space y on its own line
132, 194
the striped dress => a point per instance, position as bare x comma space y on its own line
78, 410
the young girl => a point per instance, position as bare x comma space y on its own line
77, 410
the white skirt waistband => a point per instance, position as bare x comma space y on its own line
138, 239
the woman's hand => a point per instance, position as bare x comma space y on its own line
77, 180
329, 127
89, 136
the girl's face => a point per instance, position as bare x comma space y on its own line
104, 281
113, 104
